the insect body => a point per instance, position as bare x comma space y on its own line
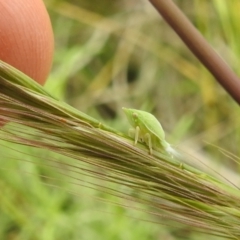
146, 129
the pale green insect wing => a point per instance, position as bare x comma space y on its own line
148, 129
151, 124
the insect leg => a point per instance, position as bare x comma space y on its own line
136, 135
148, 141
132, 133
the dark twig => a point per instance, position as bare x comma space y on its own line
199, 46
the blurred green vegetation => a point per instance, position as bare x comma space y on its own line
109, 55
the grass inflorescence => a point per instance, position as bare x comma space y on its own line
172, 190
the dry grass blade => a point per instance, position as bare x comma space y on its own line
174, 191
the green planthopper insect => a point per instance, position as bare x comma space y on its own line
147, 129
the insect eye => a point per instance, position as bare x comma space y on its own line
135, 116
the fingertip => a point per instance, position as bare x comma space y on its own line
26, 37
